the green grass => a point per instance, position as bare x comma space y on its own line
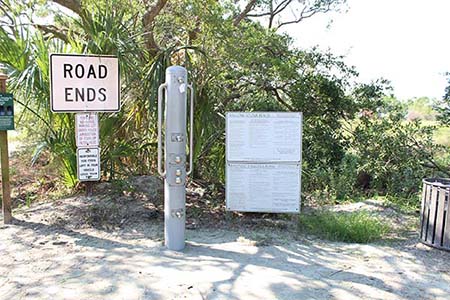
405, 205
351, 227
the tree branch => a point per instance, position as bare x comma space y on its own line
282, 6
431, 162
51, 29
192, 35
148, 22
306, 13
284, 103
73, 5
244, 13
274, 8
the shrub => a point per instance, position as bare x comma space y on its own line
396, 154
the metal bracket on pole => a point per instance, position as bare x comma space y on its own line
191, 132
160, 100
174, 91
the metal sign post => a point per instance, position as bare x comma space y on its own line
174, 173
6, 188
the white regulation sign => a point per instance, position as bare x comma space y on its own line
84, 83
88, 162
264, 136
264, 153
86, 129
263, 187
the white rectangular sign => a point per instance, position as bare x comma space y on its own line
84, 83
264, 136
88, 163
263, 187
86, 129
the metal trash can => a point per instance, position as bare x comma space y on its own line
435, 213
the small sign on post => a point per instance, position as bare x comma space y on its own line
88, 154
86, 129
6, 111
88, 162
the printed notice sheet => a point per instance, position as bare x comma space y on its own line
263, 136
86, 129
88, 163
263, 187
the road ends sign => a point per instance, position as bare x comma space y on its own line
83, 83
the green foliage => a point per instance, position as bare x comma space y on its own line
351, 227
29, 79
334, 183
443, 107
396, 154
386, 155
343, 178
104, 31
350, 129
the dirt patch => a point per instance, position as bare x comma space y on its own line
43, 258
110, 246
139, 200
34, 178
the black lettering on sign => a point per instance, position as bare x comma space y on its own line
102, 71
85, 94
67, 92
68, 70
79, 71
79, 94
90, 94
91, 72
102, 92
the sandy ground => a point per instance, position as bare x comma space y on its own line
40, 259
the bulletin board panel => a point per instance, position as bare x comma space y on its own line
263, 136
263, 187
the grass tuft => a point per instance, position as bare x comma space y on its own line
350, 227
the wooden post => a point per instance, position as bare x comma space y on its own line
6, 188
89, 185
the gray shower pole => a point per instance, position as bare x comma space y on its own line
174, 91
